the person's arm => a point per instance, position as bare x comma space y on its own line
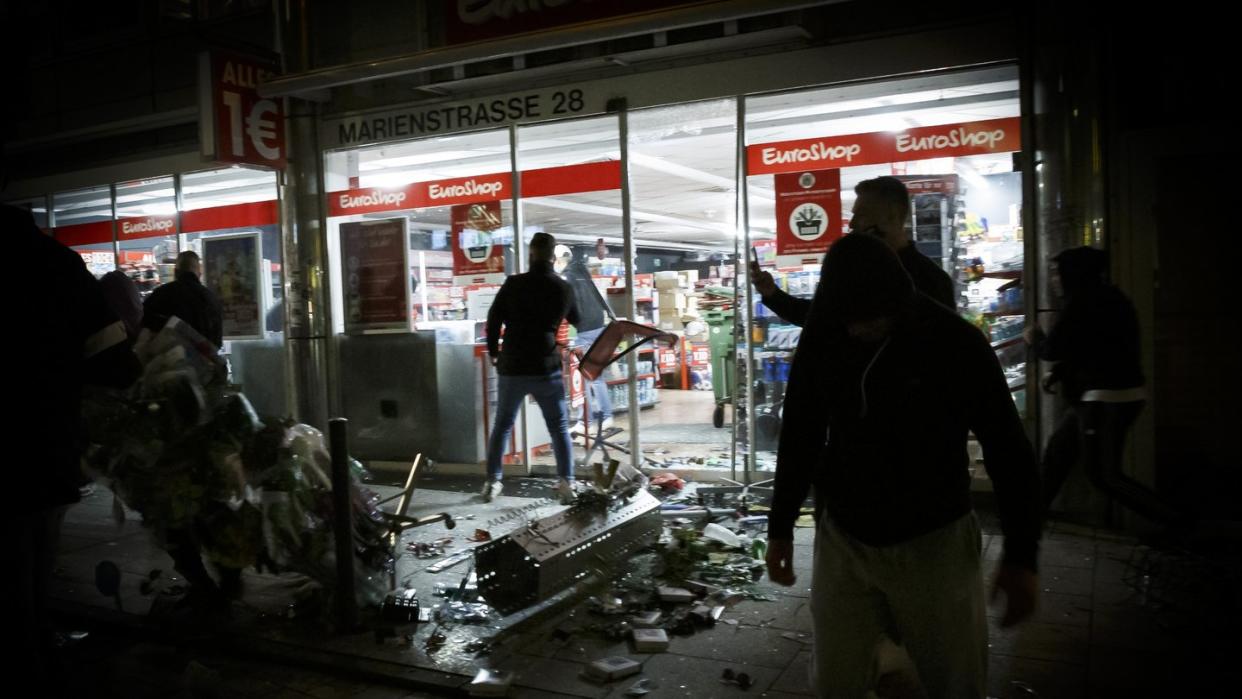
495, 319
1010, 463
791, 309
943, 291
803, 431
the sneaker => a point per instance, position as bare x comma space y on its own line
607, 424
565, 491
491, 489
577, 428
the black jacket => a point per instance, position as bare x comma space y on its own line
591, 312
1095, 343
928, 278
531, 307
881, 430
186, 298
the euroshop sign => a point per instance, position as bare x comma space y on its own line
948, 140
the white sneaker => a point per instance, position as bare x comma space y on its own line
577, 428
565, 492
607, 424
491, 489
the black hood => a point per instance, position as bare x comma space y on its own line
1081, 269
862, 279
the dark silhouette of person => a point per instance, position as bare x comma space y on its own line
885, 387
1096, 365
124, 299
71, 338
186, 298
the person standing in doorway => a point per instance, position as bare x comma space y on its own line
530, 307
592, 317
881, 209
885, 388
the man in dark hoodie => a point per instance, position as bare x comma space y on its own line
881, 209
1096, 364
530, 307
885, 386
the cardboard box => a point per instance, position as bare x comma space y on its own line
614, 668
674, 594
650, 640
670, 300
647, 620
688, 277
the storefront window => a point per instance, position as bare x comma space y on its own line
420, 239
238, 204
950, 138
83, 221
571, 189
146, 231
683, 173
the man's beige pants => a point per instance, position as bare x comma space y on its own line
926, 594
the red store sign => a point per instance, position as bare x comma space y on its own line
473, 250
543, 182
237, 125
808, 211
949, 140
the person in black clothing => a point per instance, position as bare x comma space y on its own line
530, 308
71, 339
186, 298
592, 317
1094, 348
882, 209
885, 386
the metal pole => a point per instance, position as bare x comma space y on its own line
519, 260
742, 313
179, 198
342, 525
631, 310
116, 248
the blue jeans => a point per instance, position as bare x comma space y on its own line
549, 393
601, 402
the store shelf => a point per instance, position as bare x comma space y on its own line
641, 406
1006, 342
614, 382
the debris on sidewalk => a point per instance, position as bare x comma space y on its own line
650, 640
611, 669
490, 683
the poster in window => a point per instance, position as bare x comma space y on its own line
232, 269
808, 211
375, 277
476, 258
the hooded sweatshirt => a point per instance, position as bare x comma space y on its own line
1095, 341
880, 429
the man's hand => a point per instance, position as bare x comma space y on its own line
762, 280
780, 561
1021, 588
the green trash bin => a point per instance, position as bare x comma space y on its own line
723, 350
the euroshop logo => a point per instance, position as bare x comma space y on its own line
149, 225
375, 197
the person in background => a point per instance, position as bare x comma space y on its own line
881, 209
72, 339
885, 388
186, 298
1096, 365
530, 307
123, 298
592, 317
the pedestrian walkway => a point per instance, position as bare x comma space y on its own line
1103, 629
